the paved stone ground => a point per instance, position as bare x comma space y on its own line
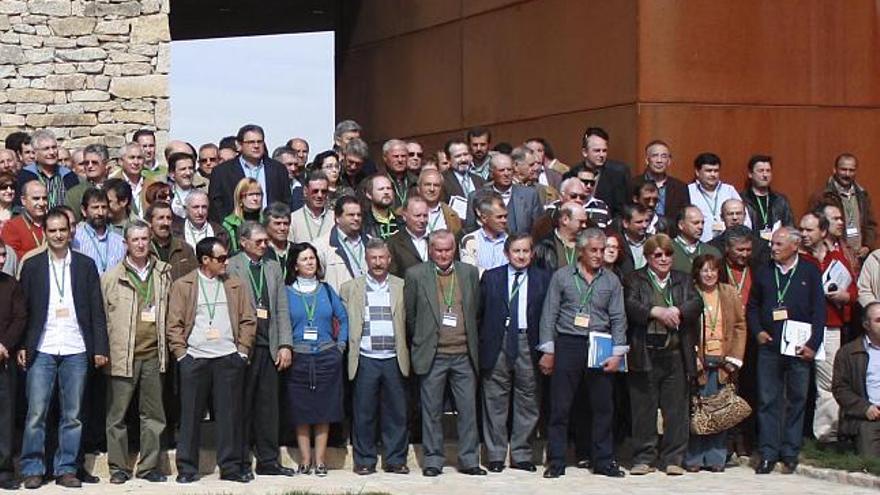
740, 480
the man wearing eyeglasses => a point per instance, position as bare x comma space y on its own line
95, 157
210, 331
209, 157
414, 157
270, 355
57, 179
253, 163
314, 219
571, 189
597, 210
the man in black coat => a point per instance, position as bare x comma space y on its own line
613, 176
66, 334
253, 163
13, 316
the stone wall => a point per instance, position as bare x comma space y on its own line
91, 71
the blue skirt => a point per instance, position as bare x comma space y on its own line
314, 388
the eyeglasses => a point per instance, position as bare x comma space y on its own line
220, 259
260, 242
415, 153
322, 192
664, 254
252, 141
207, 160
588, 182
583, 197
164, 197
7, 187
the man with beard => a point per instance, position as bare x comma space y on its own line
380, 220
478, 141
842, 189
93, 239
459, 181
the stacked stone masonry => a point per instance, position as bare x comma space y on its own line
91, 71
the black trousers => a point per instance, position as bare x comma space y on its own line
664, 387
260, 412
379, 399
7, 418
570, 371
221, 379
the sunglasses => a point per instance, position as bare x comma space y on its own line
582, 197
414, 154
664, 254
221, 259
7, 187
588, 182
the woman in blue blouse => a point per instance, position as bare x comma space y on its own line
314, 382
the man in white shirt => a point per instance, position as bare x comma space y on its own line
484, 247
708, 193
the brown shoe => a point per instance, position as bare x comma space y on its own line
68, 480
641, 470
674, 470
33, 482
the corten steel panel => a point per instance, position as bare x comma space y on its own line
382, 19
803, 142
547, 57
476, 7
760, 52
563, 131
405, 85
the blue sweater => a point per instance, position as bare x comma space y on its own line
805, 301
328, 305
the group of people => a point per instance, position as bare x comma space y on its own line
532, 298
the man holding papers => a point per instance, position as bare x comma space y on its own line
840, 293
582, 298
784, 292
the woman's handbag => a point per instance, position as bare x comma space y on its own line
720, 412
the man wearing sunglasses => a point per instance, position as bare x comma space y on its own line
597, 210
414, 157
271, 354
95, 157
209, 157
314, 219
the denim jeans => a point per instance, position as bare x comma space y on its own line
782, 398
708, 450
70, 372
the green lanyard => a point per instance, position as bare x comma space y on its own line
713, 207
713, 313
449, 294
257, 287
310, 308
739, 283
96, 243
434, 222
401, 197
780, 293
585, 296
763, 210
569, 254
684, 246
59, 286
145, 293
354, 259
212, 306
466, 184
49, 185
664, 292
309, 224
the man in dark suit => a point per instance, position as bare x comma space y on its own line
786, 288
13, 317
673, 193
66, 333
253, 163
511, 297
409, 246
522, 202
614, 177
442, 302
459, 180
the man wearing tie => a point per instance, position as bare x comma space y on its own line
516, 292
582, 298
442, 303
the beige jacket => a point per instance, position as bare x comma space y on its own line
299, 229
353, 295
869, 279
120, 305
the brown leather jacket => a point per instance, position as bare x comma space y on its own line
733, 346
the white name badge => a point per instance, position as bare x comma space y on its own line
310, 334
450, 320
62, 313
852, 231
766, 234
148, 315
263, 313
780, 314
717, 227
213, 334
582, 320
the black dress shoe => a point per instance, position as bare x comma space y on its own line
9, 484
524, 466
431, 472
275, 470
397, 469
364, 469
236, 477
496, 466
32, 482
247, 474
154, 477
119, 477
765, 467
583, 464
187, 478
554, 471
473, 471
87, 477
611, 470
789, 467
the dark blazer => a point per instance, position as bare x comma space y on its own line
424, 315
613, 187
226, 176
805, 301
677, 197
493, 311
523, 209
451, 186
639, 301
403, 253
779, 211
13, 313
849, 384
87, 299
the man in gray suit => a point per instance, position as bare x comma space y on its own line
522, 202
378, 362
442, 303
271, 353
